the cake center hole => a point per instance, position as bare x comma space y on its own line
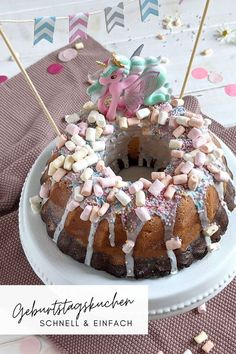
133, 173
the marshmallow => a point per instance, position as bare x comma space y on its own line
70, 145
181, 120
143, 113
108, 172
177, 102
173, 244
60, 172
197, 172
133, 121
207, 148
158, 175
59, 161
167, 180
170, 192
91, 159
210, 230
146, 183
210, 158
194, 133
72, 118
88, 106
135, 187
222, 176
87, 188
109, 129
72, 129
101, 121
154, 115
51, 169
178, 154
163, 117
172, 122
35, 203
98, 191
208, 346
187, 167
111, 196
102, 211
79, 45
180, 179
68, 163
90, 134
121, 184
44, 190
123, 122
72, 205
156, 188
94, 217
86, 213
213, 246
100, 166
200, 159
140, 199
90, 150
212, 168
77, 140
60, 141
93, 116
201, 140
207, 122
188, 352
86, 174
128, 246
175, 144
178, 168
201, 337
108, 181
79, 165
193, 182
99, 132
178, 131
195, 122
202, 308
83, 127
123, 197
80, 154
143, 214
218, 152
78, 197
98, 145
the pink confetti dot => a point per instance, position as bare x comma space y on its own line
199, 73
30, 345
230, 90
215, 78
67, 54
55, 69
3, 78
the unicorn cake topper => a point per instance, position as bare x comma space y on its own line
123, 85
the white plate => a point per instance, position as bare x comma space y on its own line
168, 296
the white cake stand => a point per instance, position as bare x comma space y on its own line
168, 296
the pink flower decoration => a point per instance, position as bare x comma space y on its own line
230, 90
199, 73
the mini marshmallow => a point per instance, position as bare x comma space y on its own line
163, 117
77, 140
90, 150
146, 183
160, 352
201, 337
170, 192
177, 102
72, 129
133, 121
70, 145
212, 168
111, 195
167, 180
158, 175
123, 122
213, 246
79, 45
44, 190
79, 165
188, 157
222, 176
94, 217
194, 133
35, 203
195, 122
208, 346
201, 140
180, 179
154, 115
140, 199
86, 213
193, 182
178, 131
88, 106
100, 166
87, 188
93, 116
210, 230
123, 197
108, 181
90, 134
60, 141
99, 132
109, 129
108, 172
173, 244
188, 351
202, 308
98, 191
197, 172
80, 154
86, 174
60, 172
156, 188
83, 127
135, 187
59, 161
72, 118
187, 167
101, 121
181, 120
91, 159
218, 152
210, 158
128, 246
172, 122
207, 148
178, 168
207, 122
72, 205
143, 214
121, 184
102, 211
98, 145
78, 197
51, 169
200, 159
178, 154
143, 113
175, 144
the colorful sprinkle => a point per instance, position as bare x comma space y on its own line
55, 69
67, 54
199, 73
215, 78
230, 90
3, 78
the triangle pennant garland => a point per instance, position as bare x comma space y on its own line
44, 28
78, 24
147, 8
114, 16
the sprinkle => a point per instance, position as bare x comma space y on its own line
208, 346
202, 308
55, 69
201, 337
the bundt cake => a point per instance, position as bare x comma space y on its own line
147, 227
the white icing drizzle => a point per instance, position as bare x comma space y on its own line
129, 259
61, 224
111, 223
173, 261
89, 250
220, 190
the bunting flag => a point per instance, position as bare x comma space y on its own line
78, 26
114, 16
147, 8
44, 28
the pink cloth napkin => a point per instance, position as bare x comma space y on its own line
24, 134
